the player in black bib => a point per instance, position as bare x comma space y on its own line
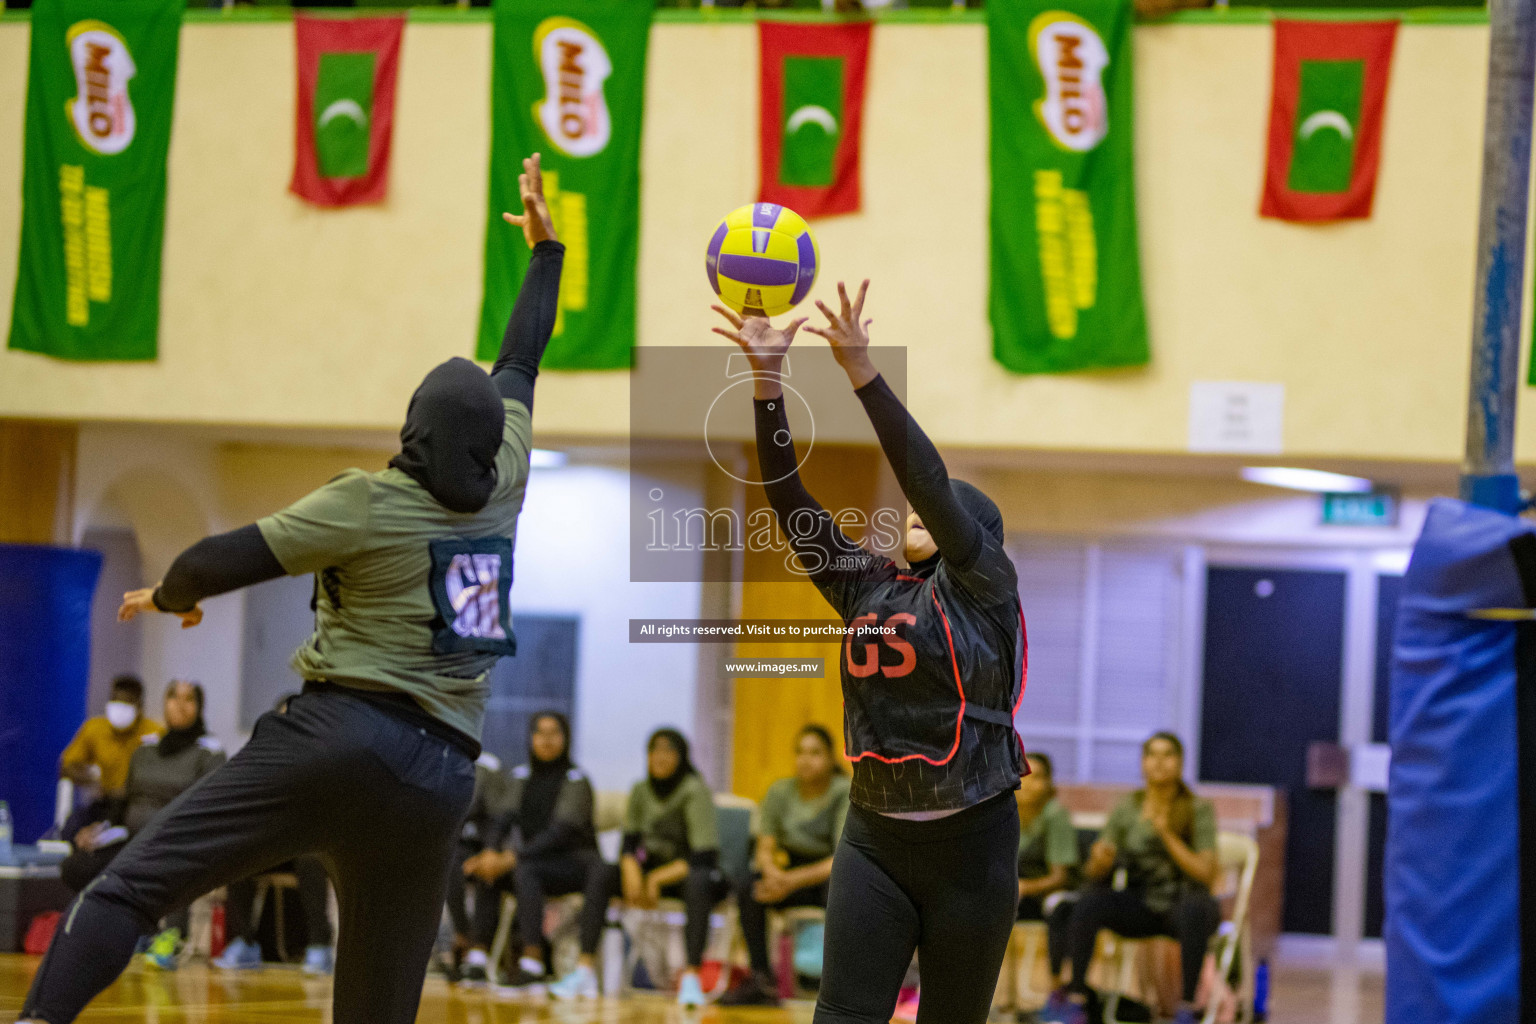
926, 861
371, 768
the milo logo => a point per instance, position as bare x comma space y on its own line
1072, 59
574, 112
101, 111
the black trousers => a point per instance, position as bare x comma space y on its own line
379, 800
473, 905
947, 889
582, 871
700, 891
81, 866
240, 901
754, 915
1192, 920
1032, 908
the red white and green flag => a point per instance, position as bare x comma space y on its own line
346, 108
811, 114
1325, 118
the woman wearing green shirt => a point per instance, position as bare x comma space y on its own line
799, 824
1165, 838
672, 848
1048, 860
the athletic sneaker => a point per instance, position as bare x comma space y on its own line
756, 989
474, 971
1186, 1015
579, 984
1066, 1012
690, 994
526, 980
239, 955
163, 949
318, 960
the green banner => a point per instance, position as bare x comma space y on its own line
568, 82
1066, 271
101, 85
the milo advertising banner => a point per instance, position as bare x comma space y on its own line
1065, 290
568, 82
100, 86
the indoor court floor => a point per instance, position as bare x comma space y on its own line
196, 994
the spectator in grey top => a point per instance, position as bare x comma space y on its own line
160, 770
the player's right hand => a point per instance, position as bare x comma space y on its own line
764, 344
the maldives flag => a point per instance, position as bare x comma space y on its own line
812, 108
1325, 115
346, 107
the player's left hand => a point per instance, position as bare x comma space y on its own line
535, 220
846, 330
137, 602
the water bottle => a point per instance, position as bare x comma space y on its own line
1261, 991
5, 832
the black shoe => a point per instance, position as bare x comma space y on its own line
520, 978
756, 990
473, 974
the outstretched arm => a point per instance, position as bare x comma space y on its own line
533, 315
811, 531
214, 565
916, 462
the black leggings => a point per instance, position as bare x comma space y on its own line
947, 889
1192, 920
754, 915
379, 800
77, 870
240, 904
700, 891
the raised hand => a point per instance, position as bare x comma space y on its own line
848, 333
764, 344
535, 220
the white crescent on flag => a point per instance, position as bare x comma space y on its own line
1326, 119
811, 114
344, 108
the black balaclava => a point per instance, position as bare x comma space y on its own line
979, 507
451, 435
663, 787
176, 740
545, 778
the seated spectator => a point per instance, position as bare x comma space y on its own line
1048, 861
473, 906
672, 849
97, 758
1165, 838
800, 822
158, 772
546, 845
244, 950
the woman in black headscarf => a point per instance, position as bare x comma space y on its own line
932, 671
672, 848
544, 844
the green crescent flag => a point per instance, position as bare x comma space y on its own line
100, 86
341, 143
568, 82
1066, 271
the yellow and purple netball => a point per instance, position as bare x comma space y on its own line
762, 260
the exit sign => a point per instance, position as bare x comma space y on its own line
1378, 508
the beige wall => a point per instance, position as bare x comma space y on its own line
279, 314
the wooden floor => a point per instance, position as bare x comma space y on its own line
197, 994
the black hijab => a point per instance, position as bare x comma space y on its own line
176, 740
979, 507
664, 788
544, 778
451, 435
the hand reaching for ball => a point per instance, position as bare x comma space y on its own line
538, 226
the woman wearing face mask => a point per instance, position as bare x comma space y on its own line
1165, 838
98, 756
932, 671
545, 845
371, 767
799, 823
672, 848
160, 770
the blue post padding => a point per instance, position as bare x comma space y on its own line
45, 660
1452, 861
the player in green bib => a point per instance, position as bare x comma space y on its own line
371, 768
